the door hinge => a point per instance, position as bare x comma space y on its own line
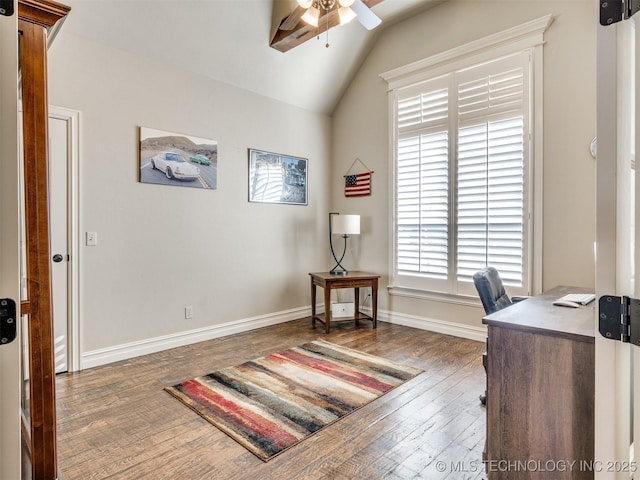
614, 11
619, 318
8, 320
6, 8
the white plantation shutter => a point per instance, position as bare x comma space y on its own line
490, 186
490, 199
423, 203
461, 181
423, 180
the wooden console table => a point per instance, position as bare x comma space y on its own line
355, 280
540, 388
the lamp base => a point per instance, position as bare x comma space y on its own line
340, 272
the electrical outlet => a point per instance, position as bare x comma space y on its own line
188, 312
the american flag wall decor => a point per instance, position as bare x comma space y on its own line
357, 185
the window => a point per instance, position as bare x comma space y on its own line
462, 147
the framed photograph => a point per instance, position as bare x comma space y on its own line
276, 178
168, 158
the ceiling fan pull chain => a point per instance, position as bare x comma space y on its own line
326, 16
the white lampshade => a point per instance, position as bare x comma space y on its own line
343, 3
306, 3
311, 16
346, 15
345, 224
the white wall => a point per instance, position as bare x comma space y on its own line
162, 248
360, 129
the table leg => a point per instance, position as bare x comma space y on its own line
327, 308
374, 302
356, 299
313, 304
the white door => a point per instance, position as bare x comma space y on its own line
618, 231
63, 158
58, 162
9, 244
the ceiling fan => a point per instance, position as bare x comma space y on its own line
347, 11
312, 17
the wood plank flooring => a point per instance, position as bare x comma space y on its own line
116, 422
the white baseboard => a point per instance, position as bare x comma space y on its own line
434, 325
125, 351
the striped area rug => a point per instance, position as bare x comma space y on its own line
271, 403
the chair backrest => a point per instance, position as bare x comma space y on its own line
491, 290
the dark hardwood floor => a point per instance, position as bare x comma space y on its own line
116, 422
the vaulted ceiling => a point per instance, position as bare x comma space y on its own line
229, 41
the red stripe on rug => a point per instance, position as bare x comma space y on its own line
234, 412
335, 370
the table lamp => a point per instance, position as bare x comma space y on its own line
344, 225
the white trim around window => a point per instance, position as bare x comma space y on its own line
528, 38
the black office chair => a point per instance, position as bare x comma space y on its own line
491, 290
494, 297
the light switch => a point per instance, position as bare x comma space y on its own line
92, 239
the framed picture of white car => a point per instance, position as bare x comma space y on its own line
276, 178
168, 158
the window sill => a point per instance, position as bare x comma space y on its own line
466, 300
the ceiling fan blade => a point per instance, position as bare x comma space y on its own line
292, 20
366, 17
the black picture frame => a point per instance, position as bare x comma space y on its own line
277, 178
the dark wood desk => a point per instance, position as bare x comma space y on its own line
540, 387
355, 280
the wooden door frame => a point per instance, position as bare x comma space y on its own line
35, 19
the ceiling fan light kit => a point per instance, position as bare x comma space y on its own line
312, 14
346, 15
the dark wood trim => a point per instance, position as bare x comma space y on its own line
37, 19
25, 307
292, 31
45, 13
33, 68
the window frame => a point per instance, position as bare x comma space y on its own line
526, 37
